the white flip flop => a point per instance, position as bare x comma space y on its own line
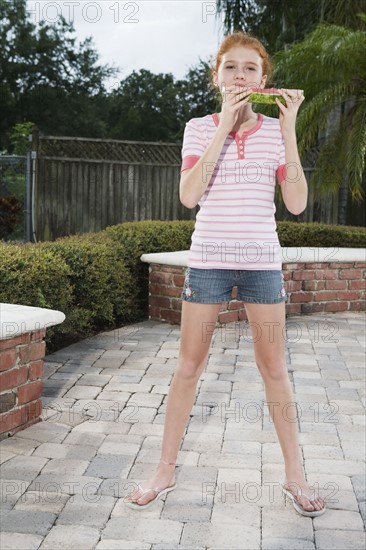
299, 508
159, 492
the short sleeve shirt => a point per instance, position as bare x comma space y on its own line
235, 226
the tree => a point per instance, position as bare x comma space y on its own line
279, 23
144, 107
46, 76
19, 137
150, 107
330, 64
197, 95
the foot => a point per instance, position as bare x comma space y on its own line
306, 496
163, 477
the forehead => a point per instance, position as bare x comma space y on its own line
242, 54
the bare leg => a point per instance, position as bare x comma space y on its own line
268, 320
197, 325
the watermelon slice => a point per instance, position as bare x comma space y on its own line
268, 95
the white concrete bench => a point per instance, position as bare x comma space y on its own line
22, 350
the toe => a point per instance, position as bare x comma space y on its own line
135, 495
309, 506
144, 499
320, 503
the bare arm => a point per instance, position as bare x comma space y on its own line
295, 187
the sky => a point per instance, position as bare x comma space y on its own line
162, 36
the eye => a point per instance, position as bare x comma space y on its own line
229, 66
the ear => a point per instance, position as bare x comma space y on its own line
214, 77
264, 80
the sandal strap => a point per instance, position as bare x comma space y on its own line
157, 489
301, 493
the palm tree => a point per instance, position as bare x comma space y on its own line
330, 66
279, 23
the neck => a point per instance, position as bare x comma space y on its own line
246, 114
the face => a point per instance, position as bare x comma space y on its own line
241, 66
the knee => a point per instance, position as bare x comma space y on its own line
275, 371
189, 370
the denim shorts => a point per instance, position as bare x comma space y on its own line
214, 286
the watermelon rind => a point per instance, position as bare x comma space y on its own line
258, 97
267, 98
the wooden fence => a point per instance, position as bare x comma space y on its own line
84, 185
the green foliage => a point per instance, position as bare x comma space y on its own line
34, 277
320, 235
137, 238
83, 276
196, 93
329, 65
46, 76
167, 236
103, 288
49, 78
145, 107
280, 23
149, 107
19, 137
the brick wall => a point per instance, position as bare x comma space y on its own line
312, 288
21, 368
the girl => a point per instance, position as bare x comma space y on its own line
230, 163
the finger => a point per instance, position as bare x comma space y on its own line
231, 91
282, 107
237, 88
243, 91
241, 100
292, 95
233, 97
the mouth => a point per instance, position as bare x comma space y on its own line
240, 85
249, 86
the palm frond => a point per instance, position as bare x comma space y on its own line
356, 154
344, 12
235, 12
329, 54
315, 114
329, 169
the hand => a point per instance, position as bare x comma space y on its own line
234, 97
288, 113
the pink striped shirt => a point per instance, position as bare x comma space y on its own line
235, 226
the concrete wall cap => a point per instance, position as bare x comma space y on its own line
289, 255
17, 319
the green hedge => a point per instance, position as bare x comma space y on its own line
156, 236
83, 276
146, 237
98, 280
321, 235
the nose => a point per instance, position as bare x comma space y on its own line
240, 74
